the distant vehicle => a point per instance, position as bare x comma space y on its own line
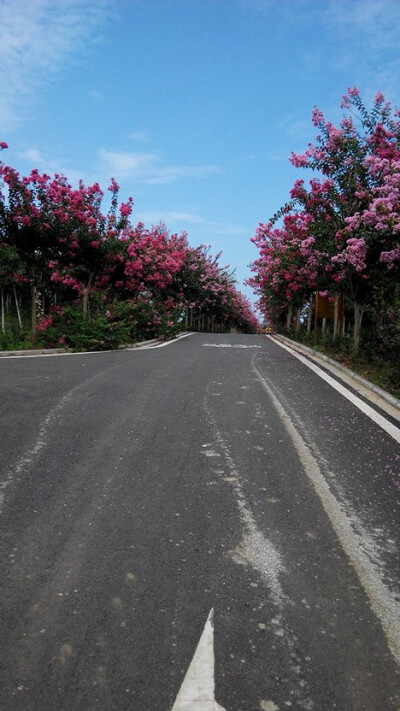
268, 329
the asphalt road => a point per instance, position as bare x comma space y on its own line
143, 489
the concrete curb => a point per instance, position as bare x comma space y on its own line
316, 355
64, 351
52, 351
35, 351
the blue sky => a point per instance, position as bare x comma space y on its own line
193, 106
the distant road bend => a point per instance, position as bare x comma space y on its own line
208, 525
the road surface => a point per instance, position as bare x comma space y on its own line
207, 525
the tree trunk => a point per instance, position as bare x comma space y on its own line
34, 304
297, 322
323, 326
85, 301
289, 317
358, 314
316, 318
3, 320
17, 308
309, 318
85, 294
336, 317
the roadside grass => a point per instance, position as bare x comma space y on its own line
384, 374
13, 339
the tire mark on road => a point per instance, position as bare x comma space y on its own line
28, 458
255, 549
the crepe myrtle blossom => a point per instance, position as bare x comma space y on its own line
289, 262
343, 226
126, 208
354, 254
63, 239
382, 212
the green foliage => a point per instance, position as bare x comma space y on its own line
376, 361
382, 337
14, 340
122, 323
70, 328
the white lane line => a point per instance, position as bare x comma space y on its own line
90, 353
162, 345
389, 427
197, 690
382, 599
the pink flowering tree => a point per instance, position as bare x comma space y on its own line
245, 318
286, 274
89, 240
352, 203
9, 258
361, 245
27, 231
58, 247
143, 272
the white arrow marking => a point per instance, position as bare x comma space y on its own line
197, 690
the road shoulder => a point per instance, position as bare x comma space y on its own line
385, 401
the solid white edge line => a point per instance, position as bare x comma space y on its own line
389, 427
162, 345
382, 599
89, 353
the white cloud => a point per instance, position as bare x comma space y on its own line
146, 168
372, 23
377, 21
37, 37
180, 220
267, 6
360, 38
140, 136
300, 128
151, 168
169, 217
172, 216
367, 38
45, 164
187, 217
95, 95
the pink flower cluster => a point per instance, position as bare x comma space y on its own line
344, 226
62, 239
